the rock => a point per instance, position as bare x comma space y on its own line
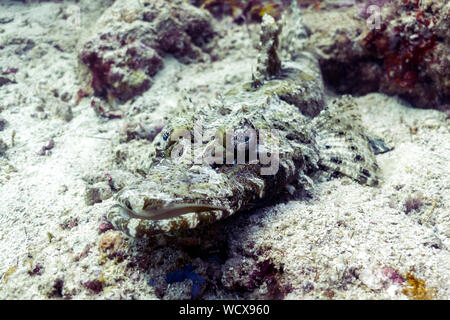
23, 45
3, 123
96, 286
406, 55
63, 111
104, 226
110, 242
46, 149
5, 81
3, 148
370, 279
134, 36
5, 20
97, 193
236, 273
377, 277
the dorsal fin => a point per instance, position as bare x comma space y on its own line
269, 64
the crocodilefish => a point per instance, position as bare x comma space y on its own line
189, 190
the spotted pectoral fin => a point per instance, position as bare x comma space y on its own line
344, 147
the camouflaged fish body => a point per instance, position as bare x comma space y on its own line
177, 195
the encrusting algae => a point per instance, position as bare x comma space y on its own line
416, 289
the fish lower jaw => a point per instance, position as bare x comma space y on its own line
127, 213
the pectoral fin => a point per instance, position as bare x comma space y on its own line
344, 146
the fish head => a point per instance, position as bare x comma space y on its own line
171, 190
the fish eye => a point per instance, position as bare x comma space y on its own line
128, 204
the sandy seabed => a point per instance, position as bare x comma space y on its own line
346, 242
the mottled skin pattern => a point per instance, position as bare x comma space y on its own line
178, 195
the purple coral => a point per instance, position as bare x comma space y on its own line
96, 286
392, 275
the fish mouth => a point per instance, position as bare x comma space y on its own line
172, 190
168, 212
